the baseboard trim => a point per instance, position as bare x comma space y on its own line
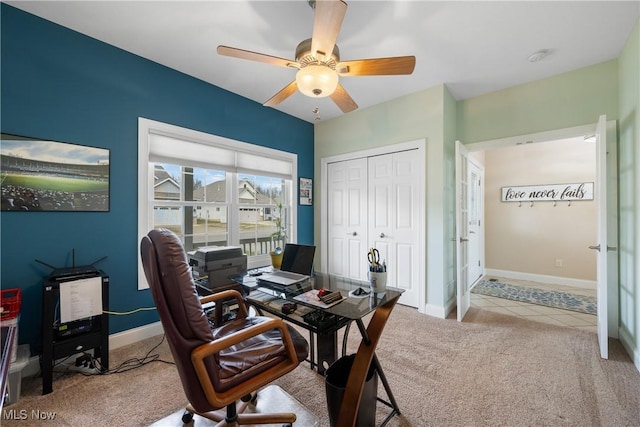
541, 278
627, 343
435, 311
134, 335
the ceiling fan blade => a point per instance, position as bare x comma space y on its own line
377, 66
343, 100
327, 21
255, 56
286, 92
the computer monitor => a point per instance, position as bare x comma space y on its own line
298, 258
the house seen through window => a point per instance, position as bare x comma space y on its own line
208, 207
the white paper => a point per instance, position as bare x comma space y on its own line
80, 299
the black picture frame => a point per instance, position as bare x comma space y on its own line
40, 175
305, 191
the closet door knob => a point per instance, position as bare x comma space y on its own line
353, 233
382, 236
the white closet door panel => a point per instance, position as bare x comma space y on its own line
357, 258
336, 218
380, 167
381, 206
355, 209
405, 210
356, 172
347, 211
394, 210
405, 166
336, 252
404, 233
405, 255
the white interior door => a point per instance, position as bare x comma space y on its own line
462, 230
475, 185
601, 246
394, 218
347, 218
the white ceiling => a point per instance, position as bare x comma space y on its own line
474, 47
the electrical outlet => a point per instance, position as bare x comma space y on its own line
559, 262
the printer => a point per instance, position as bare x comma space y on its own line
219, 263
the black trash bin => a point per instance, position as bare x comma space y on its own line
335, 383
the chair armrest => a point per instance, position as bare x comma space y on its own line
200, 353
228, 294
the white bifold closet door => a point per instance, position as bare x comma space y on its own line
375, 202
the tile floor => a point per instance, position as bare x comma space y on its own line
538, 313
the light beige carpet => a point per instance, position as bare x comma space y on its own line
491, 370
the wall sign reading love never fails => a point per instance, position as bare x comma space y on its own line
551, 192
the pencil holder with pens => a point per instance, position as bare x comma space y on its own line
378, 281
377, 271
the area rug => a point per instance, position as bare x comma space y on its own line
555, 299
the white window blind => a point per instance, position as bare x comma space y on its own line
205, 154
252, 163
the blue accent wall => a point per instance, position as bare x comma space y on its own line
60, 85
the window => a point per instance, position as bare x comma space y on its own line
212, 191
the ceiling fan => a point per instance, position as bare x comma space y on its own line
318, 60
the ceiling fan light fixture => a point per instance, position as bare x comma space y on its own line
317, 81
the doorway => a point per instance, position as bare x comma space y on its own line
606, 186
538, 264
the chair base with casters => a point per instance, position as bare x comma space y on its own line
235, 415
271, 398
221, 365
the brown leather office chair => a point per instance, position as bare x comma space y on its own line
221, 365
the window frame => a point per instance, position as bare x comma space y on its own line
147, 128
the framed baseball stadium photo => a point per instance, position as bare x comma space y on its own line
40, 175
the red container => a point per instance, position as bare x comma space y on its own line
10, 300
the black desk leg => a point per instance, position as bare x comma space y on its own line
393, 405
312, 350
327, 348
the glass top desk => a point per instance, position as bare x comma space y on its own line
323, 322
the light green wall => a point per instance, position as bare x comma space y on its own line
409, 118
570, 99
629, 189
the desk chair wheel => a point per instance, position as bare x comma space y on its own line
187, 417
251, 397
